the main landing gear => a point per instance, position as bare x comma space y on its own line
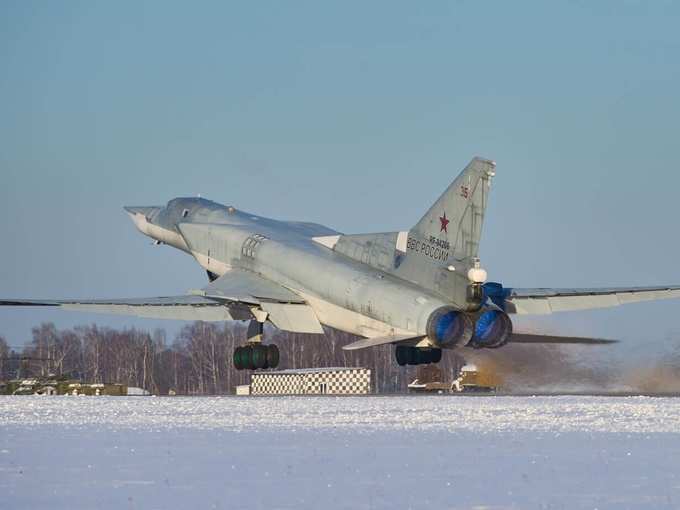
254, 355
414, 356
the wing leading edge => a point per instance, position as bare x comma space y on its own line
547, 301
237, 295
170, 307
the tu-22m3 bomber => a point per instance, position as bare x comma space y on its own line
422, 290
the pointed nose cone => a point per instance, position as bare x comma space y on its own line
144, 211
142, 216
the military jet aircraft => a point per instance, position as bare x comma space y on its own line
422, 290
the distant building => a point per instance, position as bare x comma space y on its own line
312, 381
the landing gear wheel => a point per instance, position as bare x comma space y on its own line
272, 356
412, 356
247, 357
422, 356
258, 357
238, 358
402, 355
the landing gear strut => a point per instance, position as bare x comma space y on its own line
414, 356
254, 355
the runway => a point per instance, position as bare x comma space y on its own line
353, 452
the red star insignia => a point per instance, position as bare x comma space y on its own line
445, 223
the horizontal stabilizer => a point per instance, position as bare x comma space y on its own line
529, 338
382, 340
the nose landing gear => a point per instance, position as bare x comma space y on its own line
254, 355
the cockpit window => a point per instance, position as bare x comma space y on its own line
185, 213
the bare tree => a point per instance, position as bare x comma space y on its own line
4, 361
198, 361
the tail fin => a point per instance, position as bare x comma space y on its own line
448, 235
454, 222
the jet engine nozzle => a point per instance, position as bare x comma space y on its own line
448, 328
492, 330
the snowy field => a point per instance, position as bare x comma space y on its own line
325, 453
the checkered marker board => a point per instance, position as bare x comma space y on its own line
277, 384
350, 381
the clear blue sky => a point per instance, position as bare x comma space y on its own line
353, 114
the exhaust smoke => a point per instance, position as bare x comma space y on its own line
588, 369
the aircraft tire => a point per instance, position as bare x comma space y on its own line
421, 356
238, 358
412, 356
272, 356
401, 353
435, 355
247, 357
258, 356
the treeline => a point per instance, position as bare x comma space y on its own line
196, 362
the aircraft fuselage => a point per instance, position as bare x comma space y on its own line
345, 294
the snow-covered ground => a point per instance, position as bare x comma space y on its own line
326, 453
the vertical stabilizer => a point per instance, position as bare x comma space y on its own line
448, 234
455, 220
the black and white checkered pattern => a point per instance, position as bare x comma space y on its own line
322, 381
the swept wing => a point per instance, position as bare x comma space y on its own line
547, 301
170, 307
233, 296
